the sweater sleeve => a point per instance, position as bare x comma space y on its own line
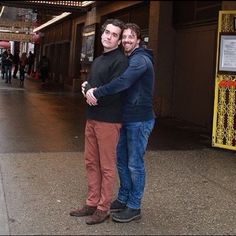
137, 66
117, 67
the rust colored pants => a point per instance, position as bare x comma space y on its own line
101, 139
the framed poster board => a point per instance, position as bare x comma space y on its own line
227, 53
234, 23
88, 43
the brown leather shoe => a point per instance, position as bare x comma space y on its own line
98, 217
84, 211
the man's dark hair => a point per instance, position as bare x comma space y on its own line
133, 27
115, 22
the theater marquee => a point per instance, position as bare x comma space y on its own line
16, 37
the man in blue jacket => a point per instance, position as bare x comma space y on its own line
137, 122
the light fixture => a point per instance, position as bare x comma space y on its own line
63, 3
64, 14
2, 11
55, 19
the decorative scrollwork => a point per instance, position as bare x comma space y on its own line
227, 23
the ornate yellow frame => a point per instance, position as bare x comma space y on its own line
224, 116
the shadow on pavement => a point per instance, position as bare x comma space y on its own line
171, 134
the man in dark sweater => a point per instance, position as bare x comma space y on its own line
137, 123
103, 127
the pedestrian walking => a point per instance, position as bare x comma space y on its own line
8, 66
30, 63
23, 63
16, 60
43, 67
4, 57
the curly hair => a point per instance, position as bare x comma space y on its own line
133, 27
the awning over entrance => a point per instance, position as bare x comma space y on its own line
54, 6
18, 24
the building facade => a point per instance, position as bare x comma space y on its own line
182, 35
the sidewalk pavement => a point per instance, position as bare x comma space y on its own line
190, 187
187, 193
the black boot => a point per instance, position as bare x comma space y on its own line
127, 215
117, 206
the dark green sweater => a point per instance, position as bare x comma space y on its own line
104, 68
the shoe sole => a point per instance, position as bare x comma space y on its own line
94, 223
137, 217
117, 210
79, 215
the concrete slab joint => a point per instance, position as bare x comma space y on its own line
4, 227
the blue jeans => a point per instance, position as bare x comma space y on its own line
8, 70
130, 161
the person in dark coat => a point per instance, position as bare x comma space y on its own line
30, 63
8, 66
43, 67
23, 63
4, 57
16, 60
